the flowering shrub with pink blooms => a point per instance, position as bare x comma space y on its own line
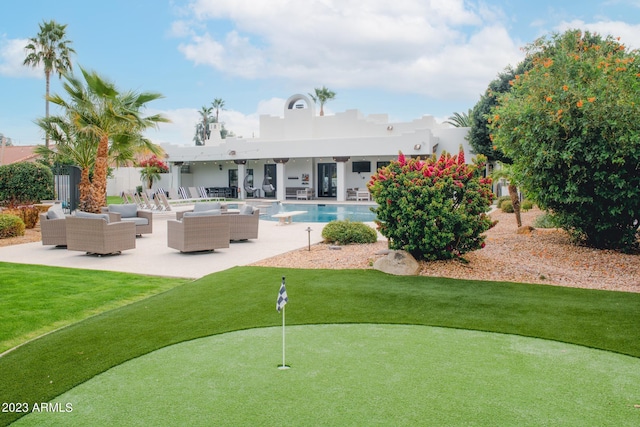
155, 163
434, 208
151, 169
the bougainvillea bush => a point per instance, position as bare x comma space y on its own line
434, 208
151, 169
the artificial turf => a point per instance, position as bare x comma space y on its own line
359, 374
244, 298
38, 299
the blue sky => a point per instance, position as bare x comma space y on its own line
406, 58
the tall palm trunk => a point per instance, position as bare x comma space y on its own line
515, 202
47, 75
99, 186
85, 191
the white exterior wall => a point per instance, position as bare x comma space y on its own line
295, 168
123, 179
306, 140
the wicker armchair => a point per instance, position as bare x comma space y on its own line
97, 236
198, 233
244, 226
143, 219
53, 230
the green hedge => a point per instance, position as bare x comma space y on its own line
25, 183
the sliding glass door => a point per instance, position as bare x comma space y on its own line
327, 179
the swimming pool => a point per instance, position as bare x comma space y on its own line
321, 212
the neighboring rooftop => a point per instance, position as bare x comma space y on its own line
17, 153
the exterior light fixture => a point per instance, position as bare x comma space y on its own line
308, 230
417, 147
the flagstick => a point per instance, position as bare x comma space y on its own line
284, 366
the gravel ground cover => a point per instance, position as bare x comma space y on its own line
543, 256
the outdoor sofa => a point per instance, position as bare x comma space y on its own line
198, 231
216, 207
243, 222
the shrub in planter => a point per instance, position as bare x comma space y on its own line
10, 226
433, 209
347, 232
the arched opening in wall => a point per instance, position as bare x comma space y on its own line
298, 104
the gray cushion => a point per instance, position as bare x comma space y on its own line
137, 220
200, 207
81, 214
246, 210
212, 212
55, 212
127, 210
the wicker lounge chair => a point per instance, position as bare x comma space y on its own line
198, 232
143, 219
95, 235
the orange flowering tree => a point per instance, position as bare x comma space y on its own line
434, 208
570, 125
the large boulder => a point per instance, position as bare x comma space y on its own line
398, 263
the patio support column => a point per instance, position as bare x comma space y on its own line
176, 175
242, 171
281, 191
341, 169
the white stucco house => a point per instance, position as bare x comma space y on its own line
327, 155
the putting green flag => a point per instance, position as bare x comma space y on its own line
282, 297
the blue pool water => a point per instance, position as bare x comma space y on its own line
321, 212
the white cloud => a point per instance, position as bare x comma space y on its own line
629, 34
181, 130
12, 56
271, 107
411, 47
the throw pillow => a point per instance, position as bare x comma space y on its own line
55, 212
246, 210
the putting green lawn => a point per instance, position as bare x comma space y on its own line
232, 311
359, 375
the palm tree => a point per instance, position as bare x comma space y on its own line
150, 174
505, 172
218, 105
51, 49
202, 129
321, 97
460, 120
107, 120
71, 147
